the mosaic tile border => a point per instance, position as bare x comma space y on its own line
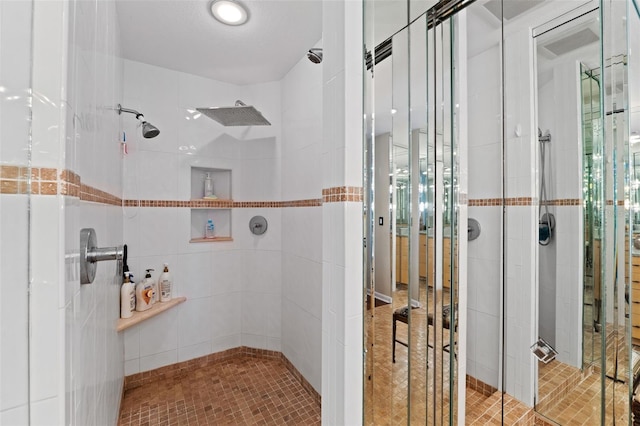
480, 386
524, 201
338, 194
47, 181
16, 179
185, 367
50, 181
223, 204
485, 202
563, 202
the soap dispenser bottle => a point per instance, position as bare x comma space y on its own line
208, 186
144, 293
155, 286
165, 283
127, 298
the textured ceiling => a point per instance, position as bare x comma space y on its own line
183, 35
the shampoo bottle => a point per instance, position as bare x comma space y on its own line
127, 298
165, 284
144, 293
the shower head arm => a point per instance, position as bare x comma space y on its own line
121, 109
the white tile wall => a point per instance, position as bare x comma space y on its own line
342, 222
241, 282
485, 181
14, 359
15, 43
559, 263
76, 354
226, 284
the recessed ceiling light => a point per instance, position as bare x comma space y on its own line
229, 12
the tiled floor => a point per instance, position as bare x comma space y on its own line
555, 379
386, 391
570, 396
241, 390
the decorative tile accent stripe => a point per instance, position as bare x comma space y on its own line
183, 368
339, 194
523, 201
480, 386
224, 204
518, 201
71, 185
48, 181
563, 202
89, 193
15, 180
484, 202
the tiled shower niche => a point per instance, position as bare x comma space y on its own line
217, 209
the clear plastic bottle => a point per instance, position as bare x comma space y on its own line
208, 186
209, 230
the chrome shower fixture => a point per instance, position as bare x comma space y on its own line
148, 130
544, 138
315, 55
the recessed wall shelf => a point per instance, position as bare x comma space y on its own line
157, 308
216, 209
221, 183
210, 240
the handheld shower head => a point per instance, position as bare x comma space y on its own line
315, 55
148, 130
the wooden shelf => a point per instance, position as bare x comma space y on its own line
157, 308
210, 240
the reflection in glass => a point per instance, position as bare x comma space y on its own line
592, 215
410, 357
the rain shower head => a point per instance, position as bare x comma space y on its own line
238, 115
315, 55
148, 130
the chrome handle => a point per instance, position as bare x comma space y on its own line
90, 255
107, 253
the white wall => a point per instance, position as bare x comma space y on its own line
341, 157
264, 291
560, 272
520, 286
301, 300
75, 355
233, 289
15, 72
485, 182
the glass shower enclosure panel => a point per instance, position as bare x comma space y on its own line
15, 189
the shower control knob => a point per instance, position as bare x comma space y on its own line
258, 225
